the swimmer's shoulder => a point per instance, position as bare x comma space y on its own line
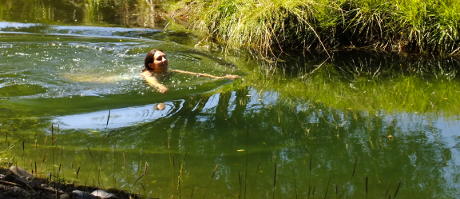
147, 73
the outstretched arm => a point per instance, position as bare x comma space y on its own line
205, 74
154, 82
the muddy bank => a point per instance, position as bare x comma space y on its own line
18, 183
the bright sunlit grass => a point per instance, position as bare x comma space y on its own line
272, 26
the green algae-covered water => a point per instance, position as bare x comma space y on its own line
360, 125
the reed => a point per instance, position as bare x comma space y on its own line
108, 119
354, 167
275, 166
180, 178
270, 27
77, 172
366, 186
327, 188
397, 190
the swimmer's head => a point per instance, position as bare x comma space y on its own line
156, 61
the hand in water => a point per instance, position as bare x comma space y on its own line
162, 89
231, 77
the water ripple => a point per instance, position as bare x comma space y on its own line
118, 118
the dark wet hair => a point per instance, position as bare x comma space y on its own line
149, 59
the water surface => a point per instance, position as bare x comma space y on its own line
359, 125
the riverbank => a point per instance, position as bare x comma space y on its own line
16, 183
269, 27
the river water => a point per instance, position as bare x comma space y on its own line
360, 125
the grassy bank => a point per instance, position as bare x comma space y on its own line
269, 27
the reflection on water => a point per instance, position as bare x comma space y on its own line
235, 144
371, 82
117, 118
72, 105
82, 31
89, 12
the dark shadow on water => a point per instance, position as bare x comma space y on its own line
369, 64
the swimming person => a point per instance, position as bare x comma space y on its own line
156, 66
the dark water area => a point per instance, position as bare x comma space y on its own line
359, 125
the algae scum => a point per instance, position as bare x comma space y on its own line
73, 107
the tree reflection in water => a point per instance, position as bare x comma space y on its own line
229, 144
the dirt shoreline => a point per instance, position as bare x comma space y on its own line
16, 183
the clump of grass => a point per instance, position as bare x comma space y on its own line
6, 156
263, 26
269, 27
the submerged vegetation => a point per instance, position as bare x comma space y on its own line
269, 27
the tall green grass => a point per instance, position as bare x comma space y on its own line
270, 27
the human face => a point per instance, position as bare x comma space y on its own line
160, 63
